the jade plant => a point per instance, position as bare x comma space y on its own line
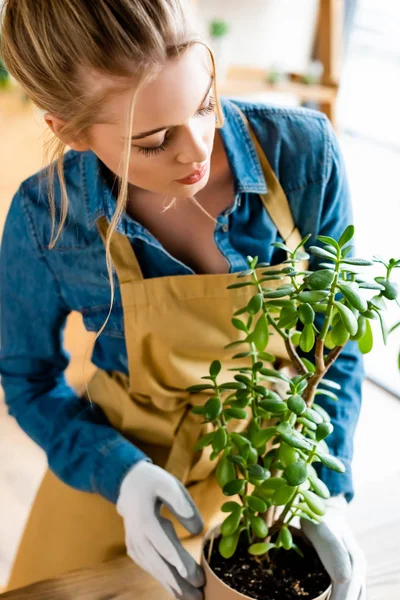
269, 466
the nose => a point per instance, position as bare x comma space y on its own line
193, 148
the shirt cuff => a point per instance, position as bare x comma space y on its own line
337, 483
115, 459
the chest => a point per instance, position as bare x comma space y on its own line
185, 231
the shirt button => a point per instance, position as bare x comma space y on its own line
225, 228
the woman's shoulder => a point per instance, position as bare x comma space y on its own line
31, 204
297, 141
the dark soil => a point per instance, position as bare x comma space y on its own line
286, 577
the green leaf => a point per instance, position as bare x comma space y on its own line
255, 304
267, 357
283, 495
225, 472
350, 292
326, 417
327, 393
260, 335
204, 441
320, 280
328, 240
273, 405
276, 293
306, 314
230, 506
232, 522
281, 246
260, 549
213, 408
256, 504
323, 430
330, 384
366, 342
348, 318
332, 462
296, 473
361, 328
273, 483
314, 502
293, 437
259, 527
321, 253
346, 236
285, 538
296, 404
275, 374
263, 436
228, 544
383, 328
287, 454
313, 297
339, 334
234, 286
239, 325
233, 385
199, 387
220, 440
288, 318
258, 472
313, 416
307, 423
309, 365
235, 413
319, 487
359, 262
215, 368
307, 338
233, 487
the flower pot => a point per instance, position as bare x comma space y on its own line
216, 589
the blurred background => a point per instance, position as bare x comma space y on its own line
338, 56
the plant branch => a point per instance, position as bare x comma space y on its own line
298, 363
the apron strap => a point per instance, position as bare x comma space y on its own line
123, 256
275, 200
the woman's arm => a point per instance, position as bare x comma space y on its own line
82, 448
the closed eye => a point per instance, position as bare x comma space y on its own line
157, 149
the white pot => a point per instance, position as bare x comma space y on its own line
216, 589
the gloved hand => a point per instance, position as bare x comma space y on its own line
150, 539
339, 552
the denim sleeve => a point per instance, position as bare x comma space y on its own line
82, 448
347, 371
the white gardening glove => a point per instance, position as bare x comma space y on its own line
339, 552
150, 539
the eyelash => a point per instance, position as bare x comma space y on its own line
153, 151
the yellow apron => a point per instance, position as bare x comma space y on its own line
174, 327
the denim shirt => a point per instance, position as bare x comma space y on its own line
39, 286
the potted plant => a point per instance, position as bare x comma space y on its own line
267, 471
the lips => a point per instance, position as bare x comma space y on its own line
195, 176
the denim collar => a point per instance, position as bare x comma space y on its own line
241, 154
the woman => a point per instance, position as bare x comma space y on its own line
132, 91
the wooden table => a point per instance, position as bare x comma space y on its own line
118, 579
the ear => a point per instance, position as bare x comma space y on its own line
56, 125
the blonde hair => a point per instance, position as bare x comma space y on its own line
47, 43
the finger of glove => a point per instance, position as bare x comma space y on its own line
177, 499
359, 566
331, 550
149, 560
182, 588
194, 574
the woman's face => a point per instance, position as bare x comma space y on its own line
179, 106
